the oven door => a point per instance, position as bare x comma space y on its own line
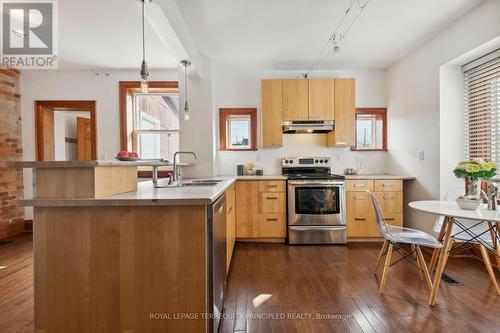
316, 203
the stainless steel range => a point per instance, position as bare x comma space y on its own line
316, 201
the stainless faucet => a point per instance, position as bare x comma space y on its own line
175, 176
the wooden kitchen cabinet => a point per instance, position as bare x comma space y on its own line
230, 223
272, 109
247, 209
296, 99
321, 99
265, 217
361, 219
345, 99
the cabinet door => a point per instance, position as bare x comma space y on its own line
247, 209
345, 98
321, 99
272, 106
272, 225
295, 99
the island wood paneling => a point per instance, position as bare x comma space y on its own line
108, 269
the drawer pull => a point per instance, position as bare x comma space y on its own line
389, 197
271, 198
272, 219
359, 197
359, 185
271, 186
390, 219
388, 185
340, 142
359, 219
276, 143
229, 210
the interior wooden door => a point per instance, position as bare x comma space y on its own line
45, 134
84, 139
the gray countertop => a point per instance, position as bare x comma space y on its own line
87, 164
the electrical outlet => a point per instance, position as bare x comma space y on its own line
421, 155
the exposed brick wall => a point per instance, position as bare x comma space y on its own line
11, 180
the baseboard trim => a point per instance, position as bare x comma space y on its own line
11, 229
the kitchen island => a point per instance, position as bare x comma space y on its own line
133, 261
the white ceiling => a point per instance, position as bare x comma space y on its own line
288, 34
106, 34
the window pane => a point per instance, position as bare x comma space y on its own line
239, 133
157, 111
369, 131
158, 145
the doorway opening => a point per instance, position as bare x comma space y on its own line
65, 130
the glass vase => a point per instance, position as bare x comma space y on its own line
471, 186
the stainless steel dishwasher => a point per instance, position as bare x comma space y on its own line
217, 254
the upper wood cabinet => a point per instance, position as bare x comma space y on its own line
296, 99
345, 98
272, 108
321, 99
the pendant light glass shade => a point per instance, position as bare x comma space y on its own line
144, 66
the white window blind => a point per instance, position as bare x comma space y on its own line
482, 107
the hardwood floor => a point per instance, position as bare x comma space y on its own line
299, 282
16, 285
294, 281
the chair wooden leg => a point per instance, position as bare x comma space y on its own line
417, 259
487, 263
386, 268
380, 255
443, 257
424, 266
435, 253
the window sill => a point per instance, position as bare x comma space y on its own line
384, 149
237, 149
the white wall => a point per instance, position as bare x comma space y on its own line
413, 104
77, 85
238, 85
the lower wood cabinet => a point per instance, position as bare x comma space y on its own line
261, 209
361, 220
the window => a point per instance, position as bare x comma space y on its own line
371, 129
156, 124
238, 129
482, 107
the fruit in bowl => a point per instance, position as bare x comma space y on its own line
127, 156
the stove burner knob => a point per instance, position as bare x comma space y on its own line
326, 161
286, 161
315, 161
320, 161
291, 161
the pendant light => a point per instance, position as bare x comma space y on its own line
144, 66
186, 64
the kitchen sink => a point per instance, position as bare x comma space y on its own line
193, 183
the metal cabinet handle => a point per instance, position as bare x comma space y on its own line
271, 186
272, 219
276, 143
388, 185
359, 185
359, 197
340, 142
271, 198
390, 219
359, 219
229, 210
389, 197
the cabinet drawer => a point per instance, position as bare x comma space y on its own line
359, 185
361, 225
391, 202
392, 185
359, 203
394, 219
272, 225
272, 186
272, 202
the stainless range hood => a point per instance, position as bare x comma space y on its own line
307, 126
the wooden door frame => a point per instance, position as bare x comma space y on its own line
65, 105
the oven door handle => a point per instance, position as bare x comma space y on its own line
302, 184
317, 228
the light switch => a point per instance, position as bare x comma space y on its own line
421, 156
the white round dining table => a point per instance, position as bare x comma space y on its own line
451, 212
